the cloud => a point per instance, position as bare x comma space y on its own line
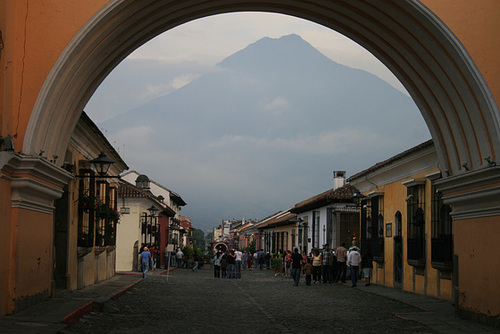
276, 104
326, 143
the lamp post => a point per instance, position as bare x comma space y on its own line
102, 164
153, 223
89, 198
358, 198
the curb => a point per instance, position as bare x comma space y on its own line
94, 306
74, 316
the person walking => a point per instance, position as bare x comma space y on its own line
316, 263
217, 264
231, 260
341, 262
353, 261
268, 260
367, 265
288, 263
179, 255
244, 260
196, 261
237, 263
308, 269
223, 265
296, 259
250, 260
327, 264
261, 259
145, 257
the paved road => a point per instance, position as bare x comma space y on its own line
260, 302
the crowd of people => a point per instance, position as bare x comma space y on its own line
326, 265
149, 258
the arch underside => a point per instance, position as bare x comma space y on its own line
448, 89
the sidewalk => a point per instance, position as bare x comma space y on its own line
68, 307
439, 314
57, 313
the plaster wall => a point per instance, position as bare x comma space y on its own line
33, 255
478, 264
33, 41
128, 233
427, 282
7, 238
288, 240
476, 25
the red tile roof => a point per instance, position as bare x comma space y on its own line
339, 195
401, 155
285, 219
126, 189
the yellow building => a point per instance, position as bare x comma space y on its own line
444, 52
277, 233
86, 216
406, 225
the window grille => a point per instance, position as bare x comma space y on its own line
442, 237
416, 225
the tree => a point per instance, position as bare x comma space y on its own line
199, 239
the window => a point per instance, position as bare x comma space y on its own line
416, 224
349, 227
399, 224
86, 209
442, 237
372, 224
97, 215
316, 230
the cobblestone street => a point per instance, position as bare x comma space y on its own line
187, 302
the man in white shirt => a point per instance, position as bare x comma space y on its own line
239, 257
179, 256
354, 261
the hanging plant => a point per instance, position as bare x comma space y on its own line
114, 216
104, 212
86, 202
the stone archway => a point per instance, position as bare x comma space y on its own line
430, 62
407, 37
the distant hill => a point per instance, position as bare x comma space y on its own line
276, 86
265, 130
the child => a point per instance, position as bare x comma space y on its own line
308, 269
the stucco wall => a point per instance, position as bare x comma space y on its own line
478, 264
40, 22
33, 255
128, 233
476, 24
6, 264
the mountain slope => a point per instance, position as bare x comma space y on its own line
271, 122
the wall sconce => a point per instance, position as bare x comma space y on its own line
358, 199
101, 164
153, 210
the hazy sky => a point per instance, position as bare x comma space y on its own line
184, 53
198, 45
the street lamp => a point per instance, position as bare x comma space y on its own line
358, 198
153, 210
102, 163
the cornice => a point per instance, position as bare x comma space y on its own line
35, 182
472, 195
